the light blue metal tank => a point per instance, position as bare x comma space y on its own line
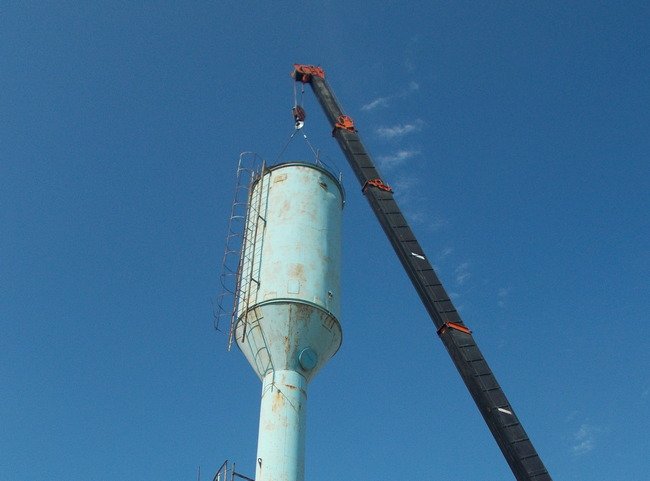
288, 302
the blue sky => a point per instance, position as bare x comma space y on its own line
516, 135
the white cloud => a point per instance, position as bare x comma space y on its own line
403, 184
502, 295
446, 252
409, 89
378, 102
398, 158
399, 130
424, 219
462, 273
436, 223
584, 440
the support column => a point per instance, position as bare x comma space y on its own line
281, 441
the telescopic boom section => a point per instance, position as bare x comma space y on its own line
499, 415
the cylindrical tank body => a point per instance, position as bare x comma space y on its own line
289, 302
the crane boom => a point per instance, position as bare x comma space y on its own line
490, 399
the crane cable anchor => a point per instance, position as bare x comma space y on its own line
343, 122
453, 325
376, 183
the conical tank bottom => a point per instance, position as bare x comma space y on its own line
280, 335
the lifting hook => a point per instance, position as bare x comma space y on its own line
299, 116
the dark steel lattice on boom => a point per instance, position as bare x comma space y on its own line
499, 415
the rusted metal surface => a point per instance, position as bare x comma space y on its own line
289, 303
281, 438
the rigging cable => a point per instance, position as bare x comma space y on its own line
295, 131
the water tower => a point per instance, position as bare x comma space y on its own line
288, 302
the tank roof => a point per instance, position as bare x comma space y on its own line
320, 168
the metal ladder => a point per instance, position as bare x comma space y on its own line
237, 270
251, 253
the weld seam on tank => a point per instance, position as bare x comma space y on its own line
290, 300
287, 300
